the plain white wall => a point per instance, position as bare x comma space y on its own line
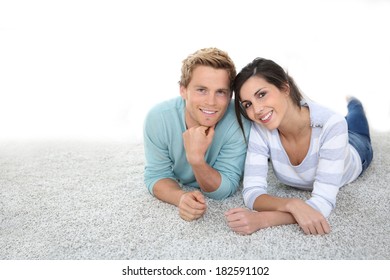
92, 69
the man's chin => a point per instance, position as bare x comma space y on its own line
209, 123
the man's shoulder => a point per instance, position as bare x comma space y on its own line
230, 112
231, 118
176, 103
168, 109
165, 115
164, 119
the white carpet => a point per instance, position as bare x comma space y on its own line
86, 200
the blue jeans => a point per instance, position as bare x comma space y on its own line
358, 132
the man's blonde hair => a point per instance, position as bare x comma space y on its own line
212, 57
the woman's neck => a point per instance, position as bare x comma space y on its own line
296, 124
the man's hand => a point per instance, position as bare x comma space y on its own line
192, 205
196, 140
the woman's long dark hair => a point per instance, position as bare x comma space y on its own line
273, 74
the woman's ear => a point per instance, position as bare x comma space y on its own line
286, 89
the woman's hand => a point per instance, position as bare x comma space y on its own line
244, 221
310, 220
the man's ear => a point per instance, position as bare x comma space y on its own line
183, 92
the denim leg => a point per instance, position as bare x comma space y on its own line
356, 118
363, 147
358, 132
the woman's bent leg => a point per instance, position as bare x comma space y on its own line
359, 133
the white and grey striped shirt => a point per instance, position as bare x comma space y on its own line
330, 163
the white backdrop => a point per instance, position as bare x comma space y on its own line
92, 69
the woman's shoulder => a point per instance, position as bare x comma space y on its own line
321, 115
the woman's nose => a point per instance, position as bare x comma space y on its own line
258, 108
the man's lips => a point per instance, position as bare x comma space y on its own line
208, 111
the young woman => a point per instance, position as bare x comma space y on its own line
310, 148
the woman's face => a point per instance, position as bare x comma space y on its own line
264, 103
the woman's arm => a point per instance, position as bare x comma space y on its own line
284, 210
244, 221
310, 220
291, 211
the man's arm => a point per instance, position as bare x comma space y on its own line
159, 177
192, 205
196, 142
168, 190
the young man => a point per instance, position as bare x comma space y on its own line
195, 140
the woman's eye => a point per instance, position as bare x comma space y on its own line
246, 105
261, 94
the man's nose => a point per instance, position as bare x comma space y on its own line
211, 98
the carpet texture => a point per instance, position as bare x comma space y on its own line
86, 200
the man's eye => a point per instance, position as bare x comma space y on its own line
222, 93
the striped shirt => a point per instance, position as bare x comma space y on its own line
330, 163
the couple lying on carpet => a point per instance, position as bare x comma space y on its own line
200, 139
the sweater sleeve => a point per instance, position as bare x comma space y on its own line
230, 161
158, 163
256, 168
331, 165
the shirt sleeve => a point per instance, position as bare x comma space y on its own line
158, 163
256, 168
331, 165
230, 161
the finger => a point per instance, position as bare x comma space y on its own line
241, 230
326, 227
210, 131
322, 227
189, 217
236, 224
190, 214
191, 202
196, 205
233, 211
184, 215
305, 229
231, 218
312, 230
199, 197
234, 217
203, 129
319, 229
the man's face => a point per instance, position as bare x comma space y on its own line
207, 96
